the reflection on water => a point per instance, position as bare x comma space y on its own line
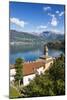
29, 53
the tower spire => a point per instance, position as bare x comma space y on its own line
46, 51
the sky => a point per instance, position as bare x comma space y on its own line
36, 17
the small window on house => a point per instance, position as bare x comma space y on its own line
29, 79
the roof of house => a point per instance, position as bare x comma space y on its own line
44, 57
30, 68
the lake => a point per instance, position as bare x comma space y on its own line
30, 53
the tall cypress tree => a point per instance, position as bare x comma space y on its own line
19, 70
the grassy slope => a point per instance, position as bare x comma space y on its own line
13, 93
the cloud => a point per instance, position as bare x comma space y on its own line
61, 14
42, 27
55, 30
52, 15
54, 20
39, 29
47, 8
18, 22
57, 12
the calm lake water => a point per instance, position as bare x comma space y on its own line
30, 54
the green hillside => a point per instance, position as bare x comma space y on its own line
25, 37
57, 44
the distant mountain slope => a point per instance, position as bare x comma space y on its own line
20, 36
27, 38
52, 35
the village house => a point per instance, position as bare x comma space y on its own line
30, 69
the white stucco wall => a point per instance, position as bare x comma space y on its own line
11, 78
40, 70
12, 73
26, 79
47, 65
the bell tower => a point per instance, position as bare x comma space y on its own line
46, 51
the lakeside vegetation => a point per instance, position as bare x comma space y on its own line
57, 44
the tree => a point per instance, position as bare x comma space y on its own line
57, 70
52, 82
40, 86
19, 70
60, 87
57, 75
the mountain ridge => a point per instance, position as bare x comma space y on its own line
45, 36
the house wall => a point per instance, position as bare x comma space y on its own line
47, 65
40, 70
11, 78
26, 79
12, 73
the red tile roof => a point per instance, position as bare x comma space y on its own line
29, 68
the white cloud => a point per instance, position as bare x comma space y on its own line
42, 27
18, 22
61, 14
39, 29
47, 8
55, 30
52, 15
54, 20
57, 12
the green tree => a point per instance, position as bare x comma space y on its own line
60, 87
19, 71
52, 82
57, 75
40, 86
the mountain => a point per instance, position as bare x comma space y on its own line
26, 38
56, 44
50, 35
